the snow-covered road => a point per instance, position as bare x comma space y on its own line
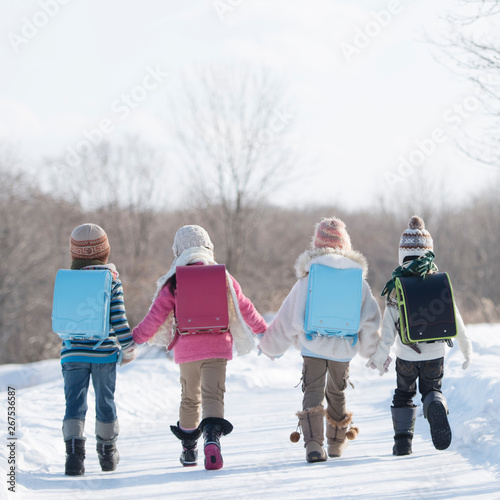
259, 459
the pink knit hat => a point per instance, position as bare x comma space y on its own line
416, 240
331, 233
89, 242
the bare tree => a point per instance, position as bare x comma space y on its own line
472, 49
232, 125
31, 241
125, 181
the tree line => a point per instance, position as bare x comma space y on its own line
36, 225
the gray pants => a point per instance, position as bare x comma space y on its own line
314, 373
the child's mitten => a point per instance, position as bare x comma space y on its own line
380, 361
466, 363
128, 354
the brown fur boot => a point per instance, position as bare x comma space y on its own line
339, 434
312, 424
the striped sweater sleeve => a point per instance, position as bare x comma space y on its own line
118, 315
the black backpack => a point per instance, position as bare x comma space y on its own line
426, 308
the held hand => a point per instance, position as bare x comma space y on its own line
128, 354
272, 358
466, 363
377, 365
387, 363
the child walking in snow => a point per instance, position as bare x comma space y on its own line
426, 363
324, 357
83, 359
202, 357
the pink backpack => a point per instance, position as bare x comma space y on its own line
201, 300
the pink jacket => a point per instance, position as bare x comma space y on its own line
200, 345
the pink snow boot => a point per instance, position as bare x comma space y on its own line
213, 428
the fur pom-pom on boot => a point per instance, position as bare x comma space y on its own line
352, 433
295, 435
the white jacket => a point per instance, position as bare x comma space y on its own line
288, 325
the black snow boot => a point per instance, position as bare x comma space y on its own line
213, 428
436, 412
403, 420
75, 456
189, 440
402, 444
108, 454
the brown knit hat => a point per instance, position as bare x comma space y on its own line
416, 240
331, 233
89, 242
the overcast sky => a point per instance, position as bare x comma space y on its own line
370, 101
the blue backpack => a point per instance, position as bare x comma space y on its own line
81, 305
333, 307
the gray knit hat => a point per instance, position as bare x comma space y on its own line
89, 242
416, 240
191, 236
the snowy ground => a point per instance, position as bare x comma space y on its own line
260, 461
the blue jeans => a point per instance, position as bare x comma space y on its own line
76, 384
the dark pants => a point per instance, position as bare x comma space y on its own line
430, 377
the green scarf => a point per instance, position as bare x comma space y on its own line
418, 267
81, 263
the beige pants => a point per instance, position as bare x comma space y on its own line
314, 372
203, 386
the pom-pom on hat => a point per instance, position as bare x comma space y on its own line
331, 233
191, 236
416, 240
89, 242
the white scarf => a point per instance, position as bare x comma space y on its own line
242, 335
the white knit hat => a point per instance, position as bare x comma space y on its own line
191, 236
416, 240
89, 242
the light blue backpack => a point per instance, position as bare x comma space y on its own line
333, 307
81, 305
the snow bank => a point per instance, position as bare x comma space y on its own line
474, 397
